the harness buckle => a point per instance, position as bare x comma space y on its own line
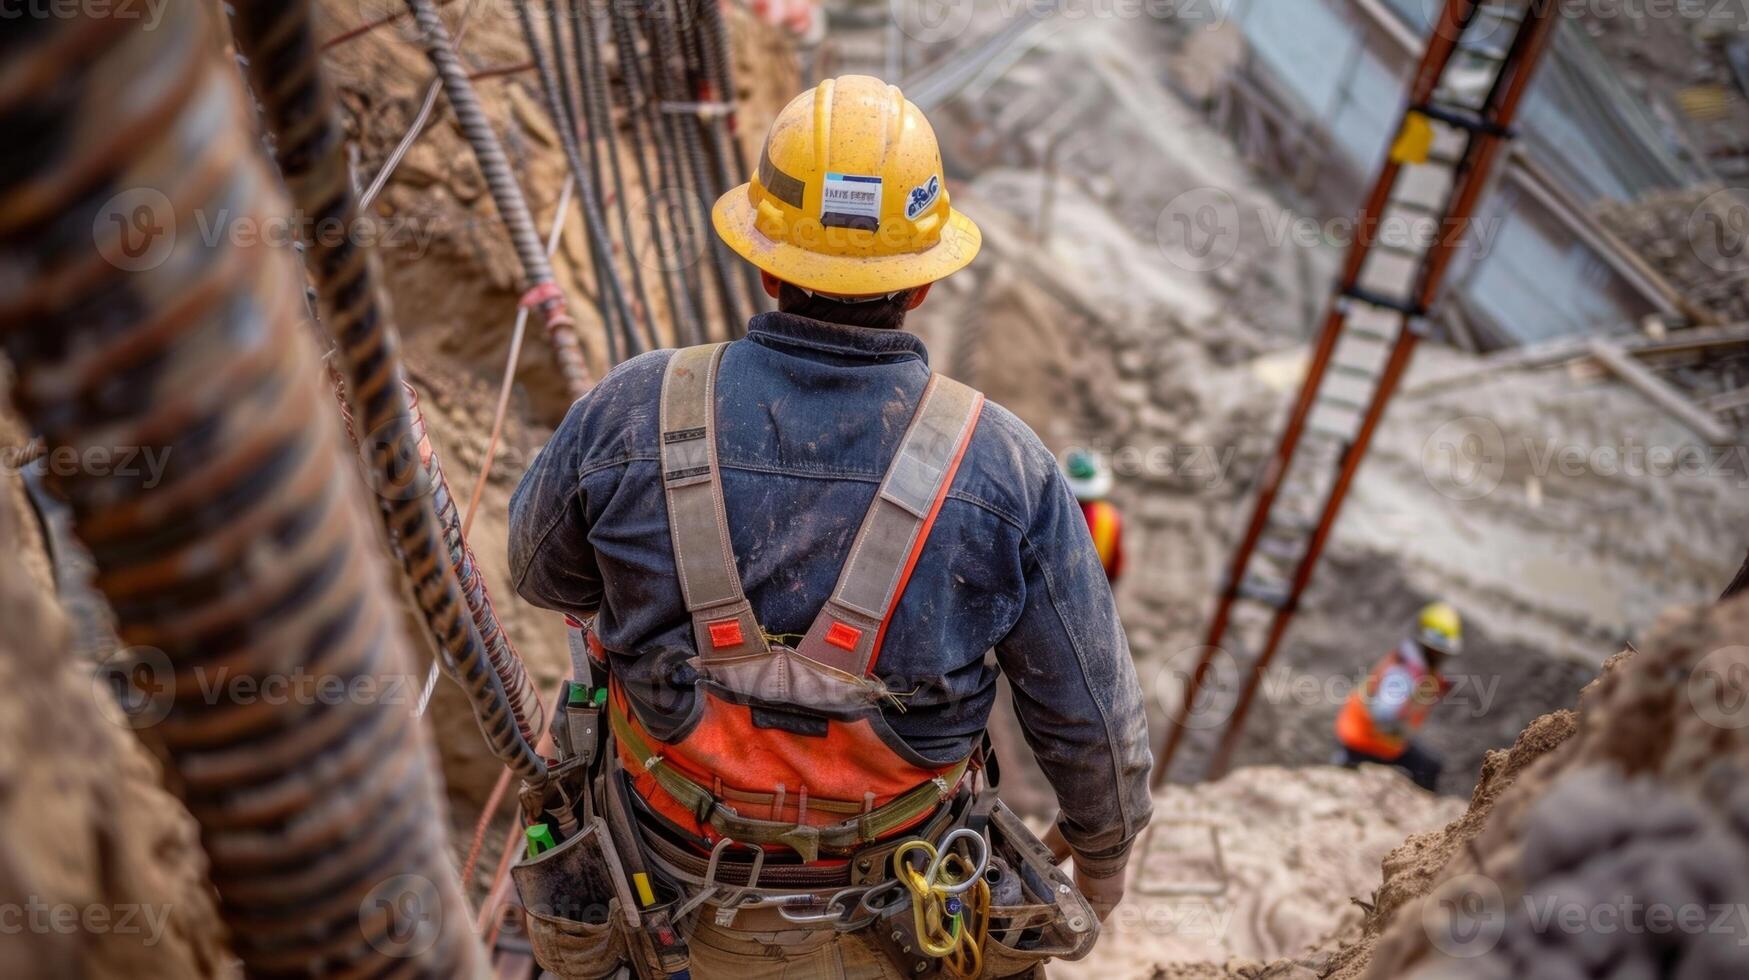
804, 840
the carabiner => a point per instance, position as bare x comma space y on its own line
933, 875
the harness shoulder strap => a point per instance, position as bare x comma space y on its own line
722, 619
848, 632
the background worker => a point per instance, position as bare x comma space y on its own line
1379, 721
813, 484
1089, 479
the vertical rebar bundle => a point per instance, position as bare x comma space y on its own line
541, 290
299, 111
142, 306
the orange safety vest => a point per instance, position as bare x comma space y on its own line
1355, 727
839, 778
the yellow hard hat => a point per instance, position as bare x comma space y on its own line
1440, 628
849, 198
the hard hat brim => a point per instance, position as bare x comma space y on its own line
733, 216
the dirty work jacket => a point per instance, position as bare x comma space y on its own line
809, 415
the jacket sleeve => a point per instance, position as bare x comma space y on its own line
551, 561
1075, 687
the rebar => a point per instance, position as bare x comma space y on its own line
592, 76
689, 321
564, 115
245, 562
299, 111
540, 288
713, 35
683, 141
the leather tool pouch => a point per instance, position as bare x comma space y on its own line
575, 923
1036, 914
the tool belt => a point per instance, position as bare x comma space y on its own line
586, 917
838, 839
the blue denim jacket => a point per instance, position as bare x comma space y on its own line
809, 415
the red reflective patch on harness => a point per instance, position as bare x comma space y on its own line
725, 633
843, 636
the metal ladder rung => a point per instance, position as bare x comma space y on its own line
1417, 207
1342, 403
1506, 13
1369, 333
1270, 592
1353, 370
1410, 251
1363, 295
1328, 433
1489, 54
1462, 117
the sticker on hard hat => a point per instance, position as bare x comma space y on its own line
851, 201
922, 197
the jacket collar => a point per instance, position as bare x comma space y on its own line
795, 334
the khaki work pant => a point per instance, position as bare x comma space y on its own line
785, 954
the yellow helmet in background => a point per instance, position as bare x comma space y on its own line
849, 198
1440, 628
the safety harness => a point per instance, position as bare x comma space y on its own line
832, 778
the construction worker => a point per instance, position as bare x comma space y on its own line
1090, 480
1380, 718
797, 549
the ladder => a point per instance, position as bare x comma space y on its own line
1458, 118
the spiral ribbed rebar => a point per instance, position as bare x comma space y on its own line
299, 111
142, 307
668, 55
689, 318
507, 195
592, 76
